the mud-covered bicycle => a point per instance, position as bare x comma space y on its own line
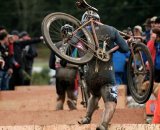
63, 32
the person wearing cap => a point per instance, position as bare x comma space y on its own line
137, 32
152, 20
147, 32
154, 47
29, 52
157, 22
18, 45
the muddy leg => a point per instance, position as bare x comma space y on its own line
60, 102
109, 95
92, 105
72, 99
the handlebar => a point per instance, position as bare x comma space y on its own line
129, 36
124, 34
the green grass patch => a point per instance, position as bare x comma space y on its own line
41, 78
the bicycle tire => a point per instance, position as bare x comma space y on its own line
135, 82
49, 39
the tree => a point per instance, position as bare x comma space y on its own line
28, 15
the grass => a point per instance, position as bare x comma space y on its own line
43, 50
41, 63
41, 78
43, 56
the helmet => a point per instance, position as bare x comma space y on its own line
67, 30
88, 14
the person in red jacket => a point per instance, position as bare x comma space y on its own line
154, 47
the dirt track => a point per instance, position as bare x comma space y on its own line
35, 106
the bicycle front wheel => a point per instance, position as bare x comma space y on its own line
140, 73
78, 43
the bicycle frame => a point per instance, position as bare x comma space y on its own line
85, 44
91, 22
132, 51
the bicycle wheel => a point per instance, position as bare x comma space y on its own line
79, 39
140, 71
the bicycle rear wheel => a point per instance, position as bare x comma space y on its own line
80, 41
140, 73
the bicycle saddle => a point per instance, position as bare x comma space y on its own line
82, 4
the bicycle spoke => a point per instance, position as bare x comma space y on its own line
60, 40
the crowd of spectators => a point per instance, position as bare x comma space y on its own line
151, 37
17, 53
149, 34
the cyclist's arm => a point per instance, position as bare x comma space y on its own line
23, 43
121, 42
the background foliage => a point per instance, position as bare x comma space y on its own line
28, 14
41, 78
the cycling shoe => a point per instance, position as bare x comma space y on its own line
85, 120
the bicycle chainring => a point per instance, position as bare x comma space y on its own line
103, 56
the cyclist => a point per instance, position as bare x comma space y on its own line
66, 82
101, 75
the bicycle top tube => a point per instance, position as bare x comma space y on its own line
91, 22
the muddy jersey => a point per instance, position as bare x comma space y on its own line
101, 73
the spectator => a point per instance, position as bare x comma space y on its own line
17, 77
129, 31
19, 45
147, 32
119, 62
2, 62
156, 93
29, 53
154, 47
152, 20
157, 22
137, 32
6, 71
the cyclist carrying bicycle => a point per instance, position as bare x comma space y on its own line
63, 32
101, 76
